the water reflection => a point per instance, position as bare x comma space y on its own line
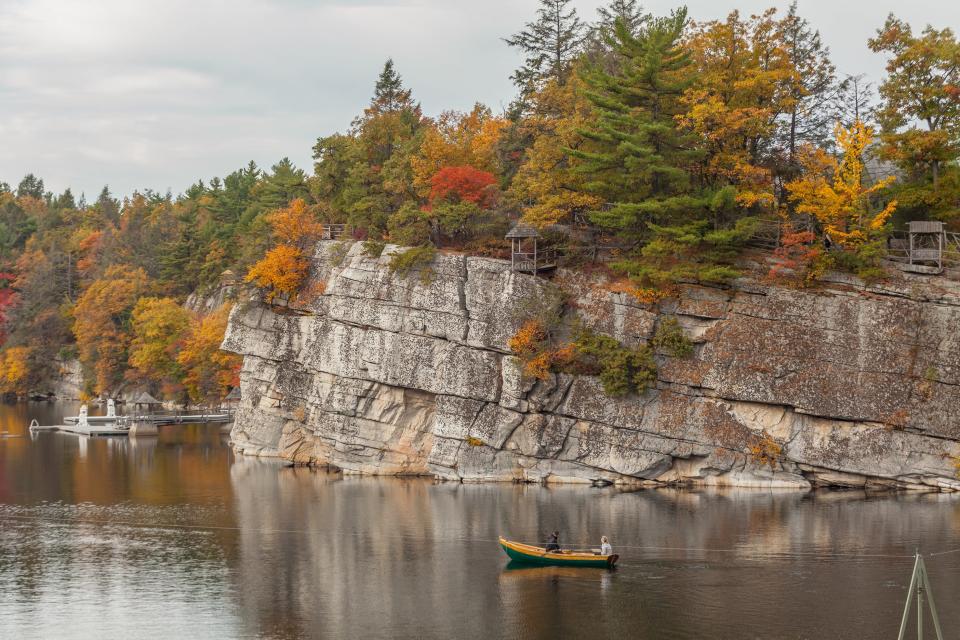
171, 537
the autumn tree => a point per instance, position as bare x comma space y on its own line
158, 326
209, 373
102, 324
833, 192
920, 113
458, 139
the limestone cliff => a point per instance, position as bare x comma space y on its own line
860, 386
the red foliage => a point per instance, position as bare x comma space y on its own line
463, 184
8, 298
798, 257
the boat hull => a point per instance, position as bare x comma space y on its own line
528, 554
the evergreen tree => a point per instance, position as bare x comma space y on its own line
629, 11
854, 100
550, 43
389, 94
814, 88
635, 156
30, 186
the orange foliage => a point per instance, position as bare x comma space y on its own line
282, 271
101, 319
463, 184
643, 295
295, 224
528, 340
799, 258
209, 373
158, 326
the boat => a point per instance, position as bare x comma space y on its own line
529, 554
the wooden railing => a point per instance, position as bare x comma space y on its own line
534, 261
335, 231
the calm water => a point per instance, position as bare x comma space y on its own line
172, 537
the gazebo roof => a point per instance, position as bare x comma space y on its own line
145, 398
523, 230
234, 394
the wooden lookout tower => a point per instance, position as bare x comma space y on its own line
527, 253
926, 243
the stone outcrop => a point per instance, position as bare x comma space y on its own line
858, 386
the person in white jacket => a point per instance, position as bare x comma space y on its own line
605, 548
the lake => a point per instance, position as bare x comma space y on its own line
174, 537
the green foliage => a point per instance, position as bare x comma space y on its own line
409, 226
373, 248
670, 337
403, 262
622, 370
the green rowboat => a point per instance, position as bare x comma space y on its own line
530, 554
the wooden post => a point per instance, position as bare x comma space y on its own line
534, 256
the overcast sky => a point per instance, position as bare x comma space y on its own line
159, 93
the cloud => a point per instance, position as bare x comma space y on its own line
161, 93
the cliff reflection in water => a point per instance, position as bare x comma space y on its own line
331, 556
172, 537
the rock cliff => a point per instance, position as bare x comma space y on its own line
858, 386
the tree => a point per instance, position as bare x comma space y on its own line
31, 186
922, 87
550, 44
295, 225
102, 324
463, 184
813, 85
744, 85
389, 94
209, 373
158, 326
630, 12
636, 158
282, 271
834, 193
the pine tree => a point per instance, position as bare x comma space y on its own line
550, 43
629, 11
635, 156
389, 94
30, 186
814, 87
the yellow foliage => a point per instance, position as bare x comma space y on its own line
643, 295
545, 184
101, 323
158, 326
456, 140
208, 372
15, 370
764, 450
282, 271
841, 204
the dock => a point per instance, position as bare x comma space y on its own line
121, 425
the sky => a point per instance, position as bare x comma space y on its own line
157, 94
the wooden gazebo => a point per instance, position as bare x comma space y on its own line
526, 253
145, 401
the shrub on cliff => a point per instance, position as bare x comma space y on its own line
404, 262
670, 337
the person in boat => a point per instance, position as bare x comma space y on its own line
553, 542
605, 548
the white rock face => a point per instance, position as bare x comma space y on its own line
387, 375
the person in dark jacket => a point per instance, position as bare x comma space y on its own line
553, 542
